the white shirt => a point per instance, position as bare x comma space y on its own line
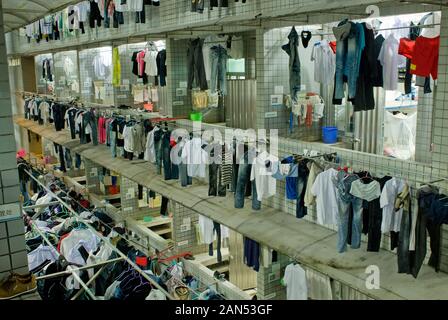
295, 281
76, 239
69, 67
391, 219
128, 139
236, 50
388, 58
266, 185
44, 111
207, 232
324, 62
40, 255
151, 63
326, 200
82, 10
194, 157
150, 151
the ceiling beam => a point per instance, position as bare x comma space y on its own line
16, 16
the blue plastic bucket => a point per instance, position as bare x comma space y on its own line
330, 134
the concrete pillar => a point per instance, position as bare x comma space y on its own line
13, 255
129, 196
439, 158
269, 285
92, 176
184, 229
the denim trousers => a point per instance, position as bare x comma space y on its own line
68, 158
71, 121
77, 161
292, 49
343, 223
215, 187
346, 65
185, 180
113, 143
403, 253
24, 190
89, 118
243, 177
197, 6
170, 170
302, 180
217, 229
158, 152
196, 69
218, 60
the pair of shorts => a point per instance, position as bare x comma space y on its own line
406, 47
425, 59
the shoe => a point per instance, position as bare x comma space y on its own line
16, 285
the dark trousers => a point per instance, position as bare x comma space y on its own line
403, 254
241, 187
196, 69
374, 234
217, 229
197, 6
434, 243
164, 207
215, 187
118, 18
89, 118
170, 170
302, 180
140, 17
71, 120
215, 3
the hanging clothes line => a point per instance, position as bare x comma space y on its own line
382, 29
106, 242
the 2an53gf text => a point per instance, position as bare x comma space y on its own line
230, 309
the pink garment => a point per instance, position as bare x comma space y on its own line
141, 63
102, 130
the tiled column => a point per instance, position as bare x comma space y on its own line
269, 286
424, 125
440, 130
177, 68
12, 241
129, 198
184, 232
92, 176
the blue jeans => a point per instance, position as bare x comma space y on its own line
343, 184
113, 143
89, 118
77, 161
170, 170
243, 176
24, 190
344, 213
292, 49
302, 180
348, 55
68, 158
185, 180
218, 59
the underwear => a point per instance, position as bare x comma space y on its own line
306, 37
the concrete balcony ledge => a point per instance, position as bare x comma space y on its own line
308, 243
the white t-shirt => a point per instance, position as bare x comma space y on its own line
151, 63
388, 58
295, 281
391, 219
128, 139
266, 185
82, 9
366, 191
324, 62
326, 200
236, 50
